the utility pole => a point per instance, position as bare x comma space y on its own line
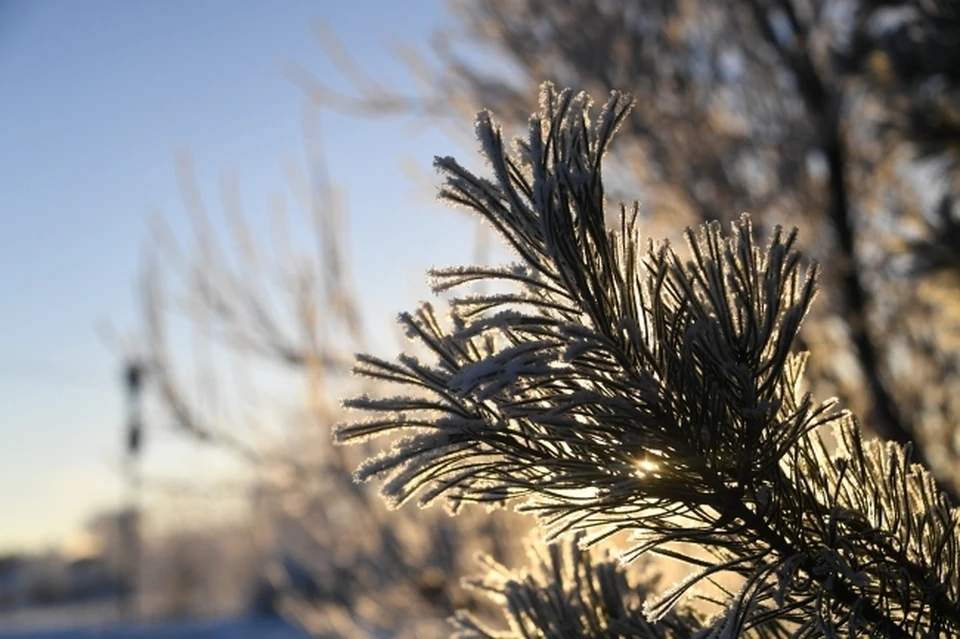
128, 520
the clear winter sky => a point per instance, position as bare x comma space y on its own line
95, 98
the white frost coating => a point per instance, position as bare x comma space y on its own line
501, 370
576, 349
656, 608
472, 374
408, 458
502, 319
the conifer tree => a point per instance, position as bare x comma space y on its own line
610, 387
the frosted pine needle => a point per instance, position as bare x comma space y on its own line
624, 388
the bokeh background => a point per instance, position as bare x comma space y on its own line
128, 124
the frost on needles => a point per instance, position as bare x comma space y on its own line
619, 387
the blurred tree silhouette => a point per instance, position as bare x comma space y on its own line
273, 335
841, 117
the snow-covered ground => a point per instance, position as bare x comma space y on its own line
254, 628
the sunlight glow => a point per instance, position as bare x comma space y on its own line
646, 465
643, 467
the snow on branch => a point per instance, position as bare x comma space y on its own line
624, 388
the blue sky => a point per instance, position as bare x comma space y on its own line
97, 98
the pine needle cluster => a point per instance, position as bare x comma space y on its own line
614, 386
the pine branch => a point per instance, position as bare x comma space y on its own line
569, 593
631, 390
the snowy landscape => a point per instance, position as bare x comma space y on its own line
45, 626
